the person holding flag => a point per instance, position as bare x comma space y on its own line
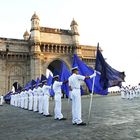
74, 86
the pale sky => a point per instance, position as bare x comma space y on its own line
115, 24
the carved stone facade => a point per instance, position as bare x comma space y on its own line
43, 48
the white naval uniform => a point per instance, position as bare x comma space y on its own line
75, 83
22, 99
11, 100
138, 90
35, 104
16, 99
131, 94
30, 92
26, 99
46, 96
40, 99
57, 97
1, 100
122, 93
128, 94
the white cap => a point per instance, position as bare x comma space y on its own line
74, 68
56, 76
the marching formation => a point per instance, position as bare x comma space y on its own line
130, 92
35, 96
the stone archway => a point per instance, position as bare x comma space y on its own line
55, 66
16, 74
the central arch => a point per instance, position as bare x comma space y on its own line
55, 66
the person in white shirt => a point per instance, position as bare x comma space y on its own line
1, 100
40, 98
35, 104
46, 93
26, 99
57, 97
74, 85
30, 93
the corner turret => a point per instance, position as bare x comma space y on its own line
26, 35
35, 28
75, 32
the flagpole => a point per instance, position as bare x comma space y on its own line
91, 95
91, 98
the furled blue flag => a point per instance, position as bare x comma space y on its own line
64, 75
86, 71
109, 76
49, 83
37, 81
27, 86
43, 78
33, 83
7, 97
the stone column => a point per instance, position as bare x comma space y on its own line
35, 61
3, 78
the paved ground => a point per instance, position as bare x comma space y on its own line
112, 119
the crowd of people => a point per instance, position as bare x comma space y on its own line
130, 92
35, 97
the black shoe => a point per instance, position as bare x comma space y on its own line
74, 123
62, 119
81, 124
48, 115
56, 119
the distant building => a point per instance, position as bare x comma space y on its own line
43, 48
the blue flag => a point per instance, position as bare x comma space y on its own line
7, 97
64, 75
86, 71
49, 83
109, 76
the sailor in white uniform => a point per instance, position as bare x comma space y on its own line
131, 93
74, 85
139, 90
57, 97
122, 92
22, 97
1, 100
35, 104
40, 98
30, 93
26, 99
46, 93
128, 92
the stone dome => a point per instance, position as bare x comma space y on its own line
26, 33
35, 16
73, 22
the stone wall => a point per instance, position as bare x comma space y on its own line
56, 38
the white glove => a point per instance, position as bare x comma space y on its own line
98, 72
93, 75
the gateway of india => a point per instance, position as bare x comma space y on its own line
43, 48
